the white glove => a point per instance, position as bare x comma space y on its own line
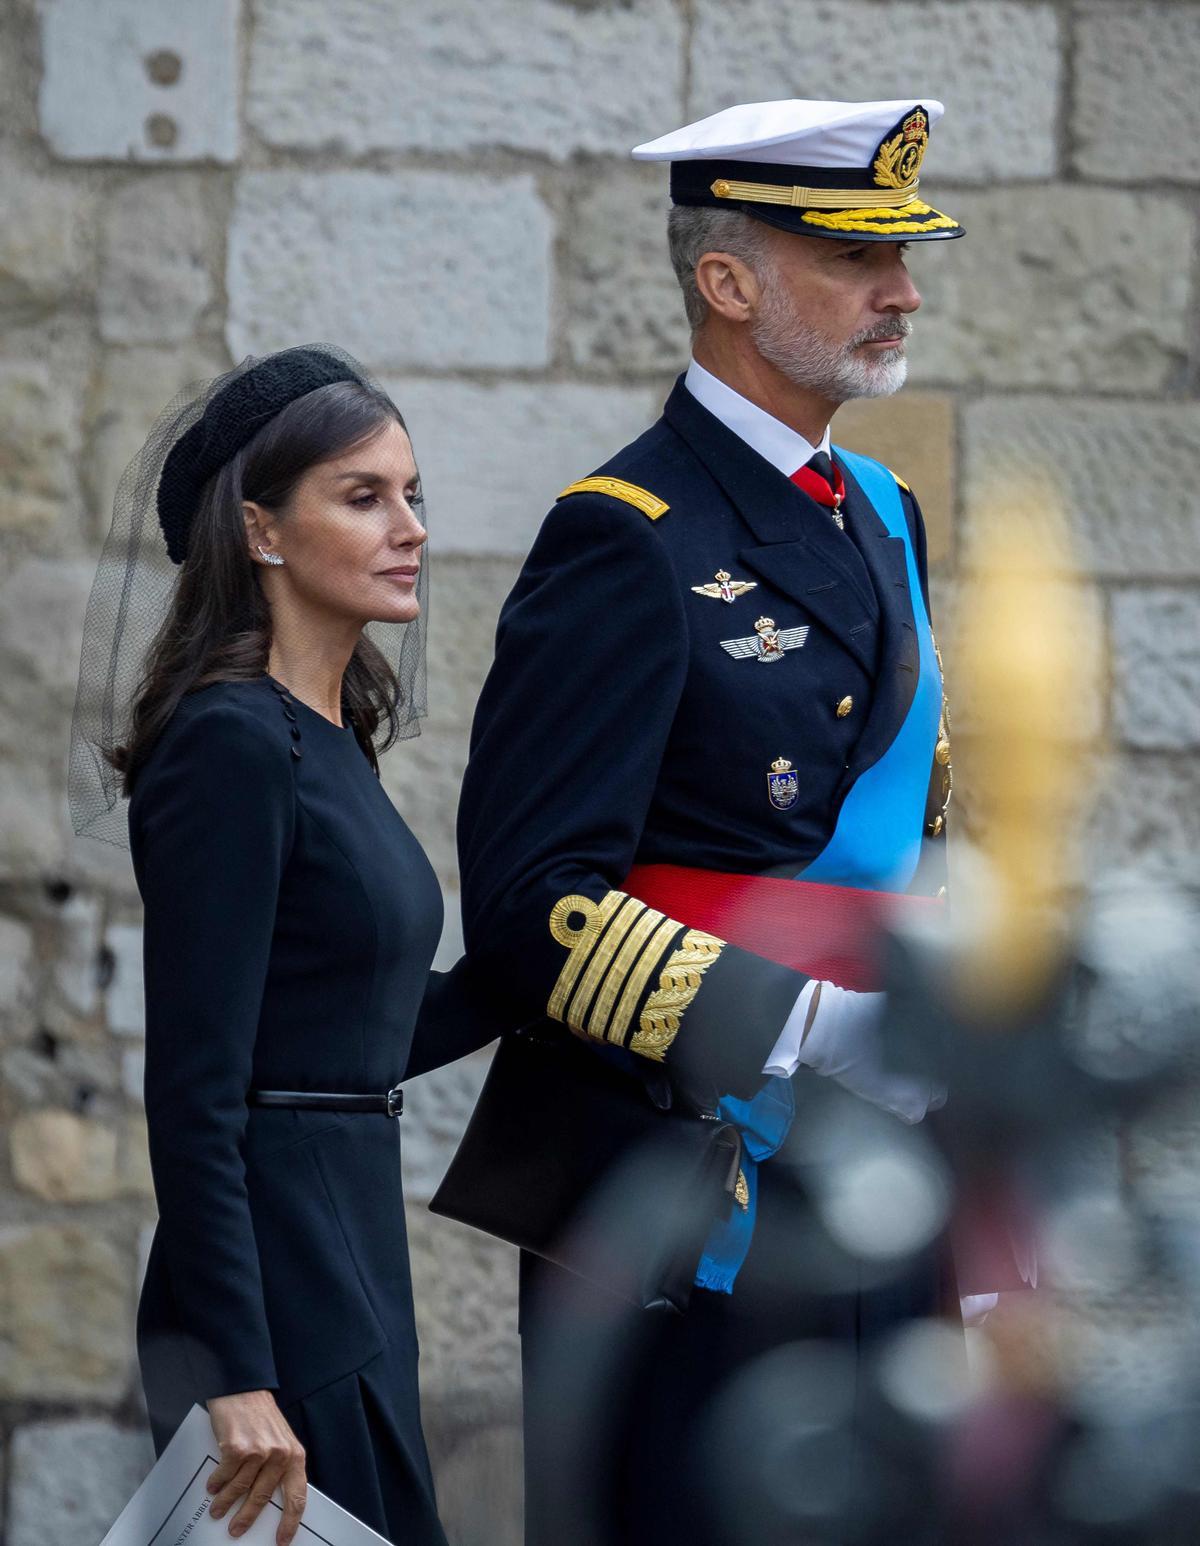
835, 1032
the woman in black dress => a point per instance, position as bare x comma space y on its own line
290, 921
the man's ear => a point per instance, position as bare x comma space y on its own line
730, 287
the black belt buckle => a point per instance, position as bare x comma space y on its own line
394, 1102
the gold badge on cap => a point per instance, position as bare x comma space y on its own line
725, 588
767, 643
901, 151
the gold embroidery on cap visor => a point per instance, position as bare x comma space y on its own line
615, 950
909, 220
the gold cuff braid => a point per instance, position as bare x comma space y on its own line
658, 1024
616, 945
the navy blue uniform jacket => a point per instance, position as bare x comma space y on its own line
613, 729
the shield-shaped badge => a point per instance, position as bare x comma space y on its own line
782, 785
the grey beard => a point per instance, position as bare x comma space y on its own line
810, 360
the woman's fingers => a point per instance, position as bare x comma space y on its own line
233, 1487
295, 1494
259, 1452
260, 1491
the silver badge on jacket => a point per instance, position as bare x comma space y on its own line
767, 643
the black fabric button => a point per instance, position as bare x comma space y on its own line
287, 714
297, 753
276, 687
295, 732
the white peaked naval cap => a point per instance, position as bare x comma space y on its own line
839, 169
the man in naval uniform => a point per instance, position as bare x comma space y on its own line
717, 666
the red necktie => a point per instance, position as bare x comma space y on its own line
822, 481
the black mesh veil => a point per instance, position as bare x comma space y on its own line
136, 582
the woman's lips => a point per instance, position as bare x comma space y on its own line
400, 576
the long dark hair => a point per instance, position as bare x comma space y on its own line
218, 627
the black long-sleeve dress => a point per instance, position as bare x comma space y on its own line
290, 921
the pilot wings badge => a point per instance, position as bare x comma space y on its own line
726, 588
767, 643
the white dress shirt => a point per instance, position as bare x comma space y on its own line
770, 437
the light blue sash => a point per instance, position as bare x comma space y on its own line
875, 845
877, 841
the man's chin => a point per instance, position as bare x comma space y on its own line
877, 377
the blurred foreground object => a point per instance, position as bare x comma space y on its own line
1026, 647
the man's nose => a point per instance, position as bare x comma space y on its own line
900, 294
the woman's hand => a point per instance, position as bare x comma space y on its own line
259, 1452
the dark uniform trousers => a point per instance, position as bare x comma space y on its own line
613, 730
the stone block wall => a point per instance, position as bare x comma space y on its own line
442, 187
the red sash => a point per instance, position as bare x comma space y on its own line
836, 933
831, 932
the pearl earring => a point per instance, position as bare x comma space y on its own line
270, 558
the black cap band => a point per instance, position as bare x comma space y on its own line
691, 181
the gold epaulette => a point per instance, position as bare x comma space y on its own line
902, 483
641, 499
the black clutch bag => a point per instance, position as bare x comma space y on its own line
592, 1167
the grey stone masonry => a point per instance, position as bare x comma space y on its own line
124, 999
526, 75
45, 255
1156, 648
1060, 289
528, 442
1137, 109
67, 1302
623, 311
1125, 471
134, 80
996, 64
156, 264
434, 269
1146, 822
70, 1480
39, 444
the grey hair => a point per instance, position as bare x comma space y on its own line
693, 230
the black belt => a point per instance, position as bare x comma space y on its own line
389, 1105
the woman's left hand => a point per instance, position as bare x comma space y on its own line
259, 1452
